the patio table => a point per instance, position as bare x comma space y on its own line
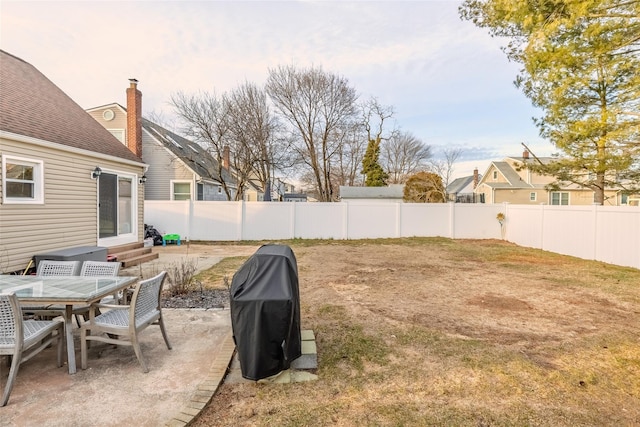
64, 290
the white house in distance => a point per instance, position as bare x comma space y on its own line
461, 190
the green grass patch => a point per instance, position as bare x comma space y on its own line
219, 276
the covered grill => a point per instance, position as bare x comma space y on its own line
265, 312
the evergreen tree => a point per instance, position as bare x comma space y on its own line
581, 67
375, 176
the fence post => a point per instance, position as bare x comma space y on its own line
398, 219
293, 219
452, 220
345, 221
241, 220
505, 208
595, 231
542, 226
190, 220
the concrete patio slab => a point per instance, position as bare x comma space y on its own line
114, 391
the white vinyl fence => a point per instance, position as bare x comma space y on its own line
609, 234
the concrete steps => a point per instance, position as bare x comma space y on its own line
132, 254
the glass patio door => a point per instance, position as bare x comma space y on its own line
115, 205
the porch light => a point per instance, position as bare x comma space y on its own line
96, 173
143, 179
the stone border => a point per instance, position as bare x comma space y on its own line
208, 387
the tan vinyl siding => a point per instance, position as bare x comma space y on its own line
68, 216
487, 191
520, 197
119, 121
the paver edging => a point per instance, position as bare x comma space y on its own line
209, 386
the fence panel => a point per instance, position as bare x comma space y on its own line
523, 225
609, 234
320, 220
216, 221
569, 230
369, 220
425, 220
267, 221
476, 221
618, 238
168, 216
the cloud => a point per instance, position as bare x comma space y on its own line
447, 80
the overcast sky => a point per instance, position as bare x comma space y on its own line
448, 81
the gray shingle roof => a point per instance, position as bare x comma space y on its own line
511, 175
391, 192
31, 105
458, 184
193, 155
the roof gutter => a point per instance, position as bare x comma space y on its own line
48, 144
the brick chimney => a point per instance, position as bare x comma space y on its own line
475, 178
525, 155
134, 118
226, 158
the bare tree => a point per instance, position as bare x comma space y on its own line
205, 119
444, 167
316, 104
349, 160
259, 150
403, 155
373, 117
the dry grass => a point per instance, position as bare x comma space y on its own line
414, 332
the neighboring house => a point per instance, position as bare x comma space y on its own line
294, 197
178, 168
279, 190
253, 191
51, 196
392, 193
508, 181
460, 190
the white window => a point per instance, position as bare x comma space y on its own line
181, 190
200, 191
23, 180
118, 133
495, 175
559, 198
533, 196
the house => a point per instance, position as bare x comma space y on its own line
294, 197
253, 191
65, 181
392, 193
460, 190
179, 169
507, 181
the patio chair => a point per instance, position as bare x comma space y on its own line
58, 268
102, 269
122, 324
22, 339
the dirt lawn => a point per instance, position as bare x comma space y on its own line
443, 332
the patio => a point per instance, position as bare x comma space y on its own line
115, 391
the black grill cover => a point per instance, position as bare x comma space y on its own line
265, 312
